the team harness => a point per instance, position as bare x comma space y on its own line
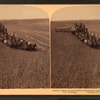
12, 41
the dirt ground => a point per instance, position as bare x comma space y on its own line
25, 69
74, 64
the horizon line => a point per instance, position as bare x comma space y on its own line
75, 19
25, 19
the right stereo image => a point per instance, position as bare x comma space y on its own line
75, 47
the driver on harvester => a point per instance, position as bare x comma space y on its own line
81, 27
76, 26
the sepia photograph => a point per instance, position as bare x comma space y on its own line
24, 47
75, 47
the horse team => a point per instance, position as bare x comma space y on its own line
13, 41
89, 39
81, 32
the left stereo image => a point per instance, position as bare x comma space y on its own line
24, 47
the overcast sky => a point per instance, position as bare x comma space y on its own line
21, 12
77, 13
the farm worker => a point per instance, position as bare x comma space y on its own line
76, 26
18, 42
1, 37
82, 27
33, 48
94, 37
28, 45
11, 36
86, 30
6, 36
86, 36
90, 38
1, 27
21, 42
98, 42
93, 40
97, 38
10, 43
4, 30
24, 45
